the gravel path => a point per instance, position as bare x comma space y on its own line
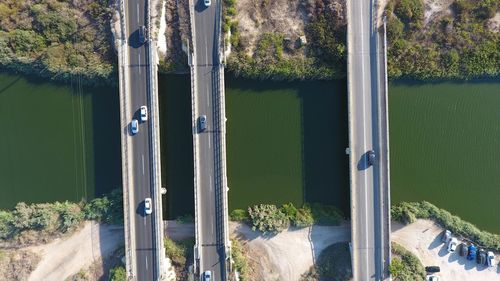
423, 238
65, 257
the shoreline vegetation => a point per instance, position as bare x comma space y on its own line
29, 224
59, 40
409, 212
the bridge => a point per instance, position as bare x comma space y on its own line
368, 131
212, 248
141, 172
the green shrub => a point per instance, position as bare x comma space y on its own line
405, 266
408, 212
268, 218
410, 11
179, 252
239, 215
326, 214
240, 262
117, 274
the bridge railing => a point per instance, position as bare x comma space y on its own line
126, 169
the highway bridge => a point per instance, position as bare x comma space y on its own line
209, 144
368, 131
141, 172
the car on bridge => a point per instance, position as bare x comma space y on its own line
207, 276
142, 34
144, 113
203, 122
371, 157
148, 208
207, 3
134, 126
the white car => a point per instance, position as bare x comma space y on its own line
134, 126
433, 278
207, 3
148, 208
207, 276
452, 245
490, 259
144, 113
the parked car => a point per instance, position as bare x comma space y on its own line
144, 113
207, 3
452, 245
490, 259
371, 157
432, 269
464, 249
433, 278
203, 122
134, 126
148, 208
446, 236
472, 252
142, 34
207, 276
481, 257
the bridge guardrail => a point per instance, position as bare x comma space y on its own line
124, 105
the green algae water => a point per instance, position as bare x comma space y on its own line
57, 142
445, 147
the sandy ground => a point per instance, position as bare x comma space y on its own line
423, 238
434, 8
289, 254
494, 23
65, 257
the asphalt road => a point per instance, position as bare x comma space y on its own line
144, 234
367, 204
212, 252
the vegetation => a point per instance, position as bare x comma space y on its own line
405, 266
17, 264
333, 264
240, 262
57, 39
117, 274
456, 45
271, 219
408, 212
278, 57
59, 217
179, 252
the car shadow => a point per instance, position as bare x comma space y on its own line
363, 162
443, 251
200, 6
436, 242
140, 209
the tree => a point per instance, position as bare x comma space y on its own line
396, 267
117, 274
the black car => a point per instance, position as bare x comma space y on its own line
433, 268
481, 256
142, 34
371, 157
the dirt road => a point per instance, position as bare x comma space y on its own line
65, 257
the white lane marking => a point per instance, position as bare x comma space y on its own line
137, 12
212, 229
139, 55
208, 98
146, 262
210, 182
206, 51
142, 163
209, 141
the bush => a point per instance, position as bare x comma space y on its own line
240, 262
333, 264
117, 274
326, 214
268, 218
408, 212
239, 215
405, 266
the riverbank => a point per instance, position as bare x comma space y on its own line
58, 40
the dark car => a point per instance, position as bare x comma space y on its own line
464, 249
142, 34
203, 122
472, 252
432, 269
481, 256
371, 157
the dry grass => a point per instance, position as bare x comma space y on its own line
17, 265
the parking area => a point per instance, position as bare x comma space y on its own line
423, 238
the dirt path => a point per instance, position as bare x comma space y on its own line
423, 238
289, 254
65, 257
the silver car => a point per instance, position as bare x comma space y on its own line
207, 276
203, 122
134, 126
207, 3
144, 113
148, 208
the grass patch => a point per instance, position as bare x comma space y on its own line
405, 266
408, 212
240, 263
179, 252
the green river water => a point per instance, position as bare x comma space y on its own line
285, 143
